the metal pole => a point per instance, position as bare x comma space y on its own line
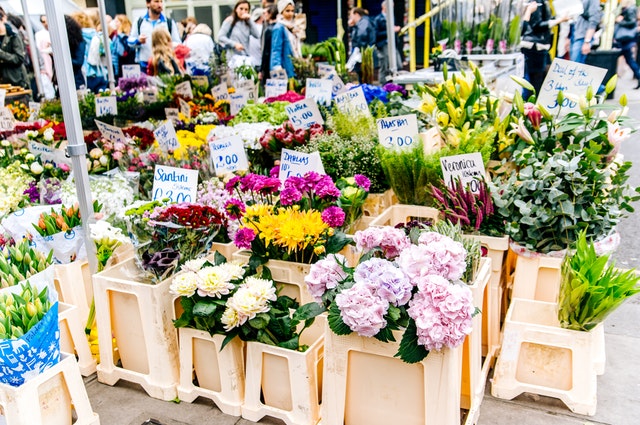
76, 149
107, 43
391, 38
32, 43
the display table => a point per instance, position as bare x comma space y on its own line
23, 96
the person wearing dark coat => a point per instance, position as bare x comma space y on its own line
77, 46
12, 55
363, 34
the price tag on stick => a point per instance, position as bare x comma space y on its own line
468, 168
398, 132
293, 163
166, 137
220, 92
107, 105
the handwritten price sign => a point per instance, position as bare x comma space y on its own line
131, 71
228, 155
184, 89
275, 87
106, 106
177, 184
111, 132
220, 92
398, 132
319, 90
166, 137
468, 168
304, 113
353, 102
293, 163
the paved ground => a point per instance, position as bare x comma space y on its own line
618, 388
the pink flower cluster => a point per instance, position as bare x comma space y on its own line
391, 240
435, 254
362, 309
442, 312
325, 274
390, 283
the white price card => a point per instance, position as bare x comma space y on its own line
111, 132
352, 102
106, 106
201, 80
304, 113
398, 132
48, 153
279, 74
228, 155
35, 110
275, 87
319, 90
131, 71
325, 69
468, 168
338, 85
3, 95
184, 89
185, 108
293, 163
149, 96
166, 137
7, 122
249, 86
220, 92
571, 78
238, 100
172, 114
177, 184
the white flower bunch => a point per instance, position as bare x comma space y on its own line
250, 133
113, 192
103, 233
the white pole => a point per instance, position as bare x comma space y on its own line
107, 43
34, 48
391, 39
76, 149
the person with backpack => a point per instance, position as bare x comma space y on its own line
140, 36
12, 54
122, 52
235, 33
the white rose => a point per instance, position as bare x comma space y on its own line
36, 168
29, 157
48, 134
104, 160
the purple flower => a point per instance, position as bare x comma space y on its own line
362, 181
362, 310
390, 282
234, 208
232, 184
442, 312
390, 87
326, 188
290, 195
325, 274
32, 191
333, 216
275, 171
244, 237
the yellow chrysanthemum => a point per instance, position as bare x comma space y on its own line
202, 131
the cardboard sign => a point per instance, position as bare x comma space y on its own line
177, 184
172, 114
106, 106
166, 137
238, 100
325, 69
3, 95
353, 102
185, 108
184, 89
220, 92
398, 132
35, 110
275, 87
571, 78
7, 122
468, 168
111, 132
131, 71
304, 113
293, 163
228, 155
319, 90
48, 153
201, 80
249, 86
278, 74
149, 96
338, 84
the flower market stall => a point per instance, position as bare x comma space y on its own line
343, 256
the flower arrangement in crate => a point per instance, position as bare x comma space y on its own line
402, 283
296, 223
165, 236
225, 298
568, 178
14, 184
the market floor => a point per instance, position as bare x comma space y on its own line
618, 388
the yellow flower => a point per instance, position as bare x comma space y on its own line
202, 131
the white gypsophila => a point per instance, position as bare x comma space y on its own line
184, 284
214, 282
193, 265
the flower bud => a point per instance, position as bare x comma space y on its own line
31, 309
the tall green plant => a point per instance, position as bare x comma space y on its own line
590, 290
367, 65
337, 55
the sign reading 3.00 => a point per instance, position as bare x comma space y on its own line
398, 132
228, 155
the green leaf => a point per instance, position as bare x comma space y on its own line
385, 335
218, 259
410, 351
261, 321
291, 344
204, 309
335, 321
307, 311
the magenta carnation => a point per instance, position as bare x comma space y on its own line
362, 181
333, 216
290, 195
244, 237
325, 274
326, 188
234, 208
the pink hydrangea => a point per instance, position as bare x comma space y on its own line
362, 310
325, 274
391, 240
442, 312
435, 254
390, 283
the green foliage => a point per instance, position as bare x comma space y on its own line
336, 55
51, 110
344, 157
367, 65
348, 125
590, 290
273, 113
514, 31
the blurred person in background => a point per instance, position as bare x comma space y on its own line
362, 35
12, 55
235, 33
77, 49
270, 19
255, 43
584, 28
163, 60
200, 46
121, 51
625, 35
281, 50
295, 29
43, 44
382, 45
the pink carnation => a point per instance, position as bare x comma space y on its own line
325, 274
362, 310
435, 254
442, 312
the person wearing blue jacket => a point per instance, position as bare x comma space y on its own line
281, 51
